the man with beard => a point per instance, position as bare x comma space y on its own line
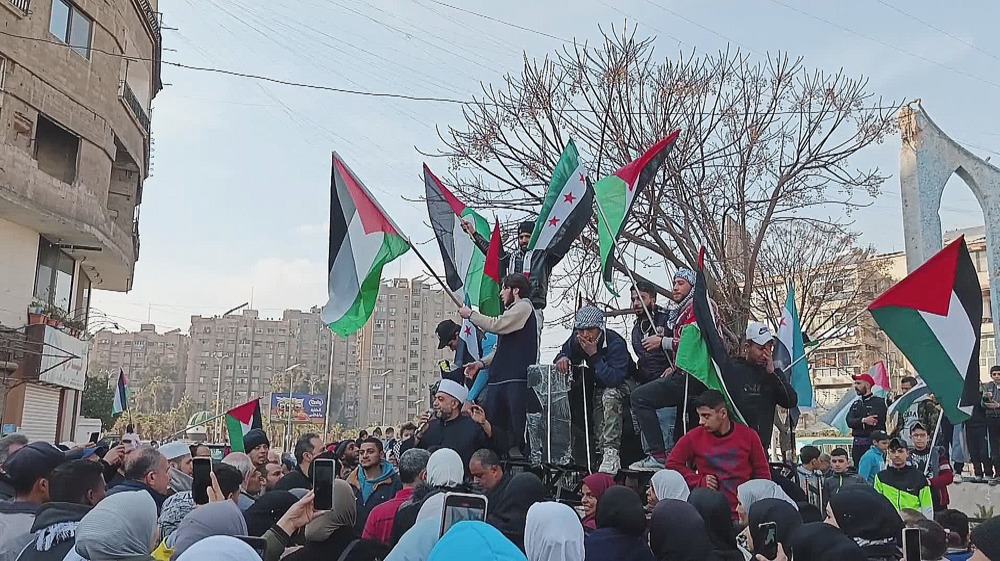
865, 416
307, 447
449, 428
347, 454
652, 346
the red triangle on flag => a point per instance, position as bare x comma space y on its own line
492, 266
372, 217
455, 204
927, 289
245, 413
630, 173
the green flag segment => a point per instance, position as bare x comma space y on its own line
695, 358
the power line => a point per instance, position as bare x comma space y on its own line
886, 44
502, 22
696, 24
939, 30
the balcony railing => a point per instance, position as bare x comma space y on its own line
135, 107
20, 4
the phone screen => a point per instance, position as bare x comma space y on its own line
202, 479
459, 507
769, 548
94, 437
258, 544
323, 483
911, 544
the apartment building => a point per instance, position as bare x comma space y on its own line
77, 79
151, 361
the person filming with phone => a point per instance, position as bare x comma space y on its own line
865, 416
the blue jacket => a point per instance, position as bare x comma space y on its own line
612, 363
872, 462
475, 540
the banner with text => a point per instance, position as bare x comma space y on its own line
302, 408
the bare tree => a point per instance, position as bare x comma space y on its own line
761, 142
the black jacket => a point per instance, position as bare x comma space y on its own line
542, 263
333, 547
651, 364
294, 479
755, 393
861, 408
461, 434
134, 485
55, 532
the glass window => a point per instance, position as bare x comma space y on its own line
54, 276
79, 33
59, 21
71, 26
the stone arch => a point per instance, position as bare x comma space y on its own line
927, 159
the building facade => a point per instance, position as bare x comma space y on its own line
155, 364
77, 78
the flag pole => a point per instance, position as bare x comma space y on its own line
614, 243
435, 275
937, 431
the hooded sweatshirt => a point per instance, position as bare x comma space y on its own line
621, 525
487, 543
872, 462
55, 532
373, 492
120, 527
16, 520
553, 532
510, 512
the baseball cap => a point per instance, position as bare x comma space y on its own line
759, 333
879, 435
32, 462
446, 331
865, 378
897, 444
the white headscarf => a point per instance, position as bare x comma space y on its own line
553, 532
120, 526
668, 484
445, 469
418, 542
220, 548
760, 489
432, 508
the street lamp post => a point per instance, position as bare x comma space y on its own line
288, 424
383, 375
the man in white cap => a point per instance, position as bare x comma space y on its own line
447, 427
178, 454
756, 386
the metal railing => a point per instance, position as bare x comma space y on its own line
20, 4
135, 107
154, 26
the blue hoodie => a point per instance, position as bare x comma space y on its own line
367, 487
872, 462
475, 541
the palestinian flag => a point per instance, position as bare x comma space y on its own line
362, 240
463, 261
120, 402
567, 208
615, 195
904, 402
242, 420
701, 352
489, 290
788, 350
836, 417
934, 316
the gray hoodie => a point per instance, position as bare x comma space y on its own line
16, 519
55, 532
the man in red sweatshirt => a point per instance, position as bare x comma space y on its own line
725, 454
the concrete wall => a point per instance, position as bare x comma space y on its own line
19, 255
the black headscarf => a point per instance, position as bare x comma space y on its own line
818, 541
267, 510
677, 532
621, 508
715, 511
810, 513
511, 511
869, 518
785, 516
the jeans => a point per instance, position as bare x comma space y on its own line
993, 434
658, 394
979, 451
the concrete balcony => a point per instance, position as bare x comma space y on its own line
71, 215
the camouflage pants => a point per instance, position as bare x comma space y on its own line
608, 406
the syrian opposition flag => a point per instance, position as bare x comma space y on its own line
789, 349
934, 316
568, 206
836, 417
904, 402
615, 195
362, 240
120, 402
242, 420
463, 261
701, 352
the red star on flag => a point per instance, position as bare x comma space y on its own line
554, 222
583, 178
570, 198
783, 322
468, 331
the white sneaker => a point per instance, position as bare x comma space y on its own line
958, 478
648, 463
610, 464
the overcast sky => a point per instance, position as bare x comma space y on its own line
237, 205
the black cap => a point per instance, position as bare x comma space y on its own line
525, 227
255, 438
446, 331
898, 444
31, 463
986, 538
879, 435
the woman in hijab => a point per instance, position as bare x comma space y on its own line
869, 519
417, 543
591, 492
332, 534
120, 527
553, 533
817, 541
621, 525
772, 513
267, 510
758, 489
445, 469
214, 519
445, 472
220, 548
477, 541
510, 514
666, 484
715, 512
677, 533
